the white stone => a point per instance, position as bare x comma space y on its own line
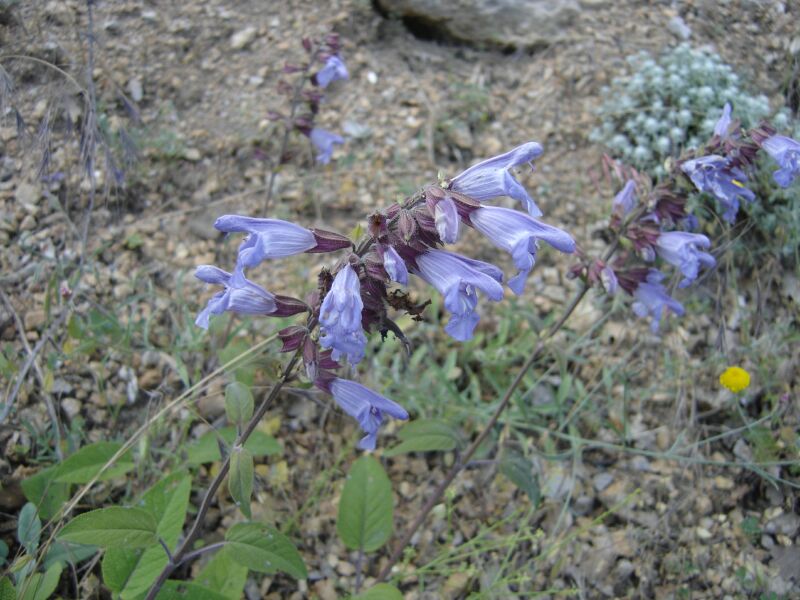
243, 38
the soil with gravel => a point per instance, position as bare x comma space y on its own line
193, 83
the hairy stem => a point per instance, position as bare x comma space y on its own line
184, 553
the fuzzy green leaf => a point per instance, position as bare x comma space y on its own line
67, 553
7, 591
263, 549
188, 590
224, 575
87, 462
29, 528
130, 572
365, 520
426, 436
382, 591
238, 403
240, 479
519, 470
45, 492
112, 527
40, 586
206, 448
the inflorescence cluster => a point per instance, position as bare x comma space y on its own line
333, 69
655, 223
353, 299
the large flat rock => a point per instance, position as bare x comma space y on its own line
505, 23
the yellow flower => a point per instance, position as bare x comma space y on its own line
735, 379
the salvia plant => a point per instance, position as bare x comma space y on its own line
656, 247
323, 66
671, 103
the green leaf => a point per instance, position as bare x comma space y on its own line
7, 591
29, 528
240, 479
41, 586
245, 370
112, 527
45, 492
117, 566
520, 471
366, 506
131, 573
223, 575
188, 590
67, 553
382, 591
206, 448
87, 462
263, 549
239, 403
426, 435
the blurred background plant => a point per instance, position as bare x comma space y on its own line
672, 103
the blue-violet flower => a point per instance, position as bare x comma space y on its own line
445, 216
491, 178
786, 152
394, 264
721, 128
333, 70
324, 141
457, 278
652, 299
518, 234
267, 238
340, 317
240, 295
682, 250
625, 200
713, 174
367, 407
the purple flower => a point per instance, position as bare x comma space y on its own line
491, 178
518, 234
609, 280
333, 70
267, 238
239, 296
394, 264
652, 299
324, 141
340, 317
367, 407
786, 152
681, 249
721, 128
714, 175
445, 216
625, 200
457, 278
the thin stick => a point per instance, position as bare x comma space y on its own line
48, 399
183, 551
457, 467
464, 460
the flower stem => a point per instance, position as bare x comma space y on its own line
184, 553
287, 126
459, 465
